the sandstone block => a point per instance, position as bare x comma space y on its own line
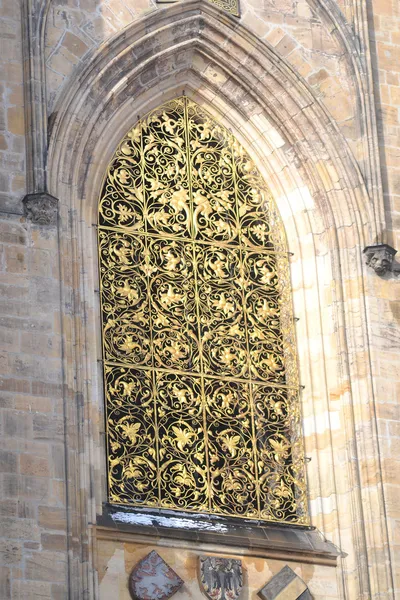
52, 518
40, 262
16, 259
12, 233
34, 488
19, 529
58, 461
8, 507
8, 462
34, 465
18, 424
46, 566
5, 585
286, 45
10, 552
54, 542
33, 403
16, 120
47, 427
74, 44
58, 591
31, 590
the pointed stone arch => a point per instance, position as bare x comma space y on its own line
325, 206
242, 69
35, 19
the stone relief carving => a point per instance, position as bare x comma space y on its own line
221, 578
41, 208
380, 258
285, 585
153, 579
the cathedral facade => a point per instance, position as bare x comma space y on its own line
200, 344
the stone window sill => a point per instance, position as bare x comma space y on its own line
303, 544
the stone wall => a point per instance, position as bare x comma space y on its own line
304, 109
12, 128
384, 296
116, 560
33, 506
303, 37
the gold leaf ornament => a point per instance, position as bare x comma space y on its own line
201, 384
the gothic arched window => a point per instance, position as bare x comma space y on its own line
201, 386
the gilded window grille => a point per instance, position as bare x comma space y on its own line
201, 384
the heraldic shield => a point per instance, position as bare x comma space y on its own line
221, 578
153, 579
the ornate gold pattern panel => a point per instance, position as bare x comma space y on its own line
202, 395
231, 6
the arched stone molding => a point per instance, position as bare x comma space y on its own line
35, 20
34, 15
328, 218
354, 38
267, 74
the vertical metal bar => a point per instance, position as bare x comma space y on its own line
253, 430
192, 229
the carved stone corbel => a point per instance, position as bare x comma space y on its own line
380, 258
41, 208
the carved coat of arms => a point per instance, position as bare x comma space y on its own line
221, 578
153, 579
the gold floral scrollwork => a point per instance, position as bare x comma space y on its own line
202, 395
231, 6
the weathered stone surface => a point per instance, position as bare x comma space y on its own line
19, 529
46, 566
380, 258
344, 60
10, 552
41, 208
5, 583
52, 518
54, 542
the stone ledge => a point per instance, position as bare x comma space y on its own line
303, 544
